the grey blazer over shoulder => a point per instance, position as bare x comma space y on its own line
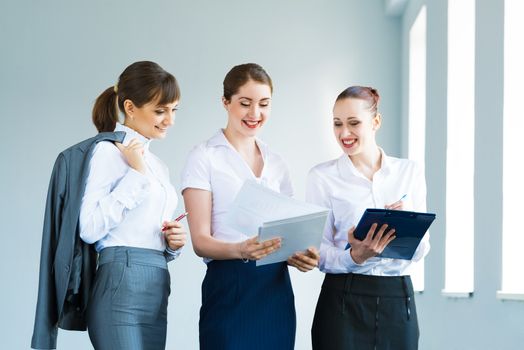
67, 264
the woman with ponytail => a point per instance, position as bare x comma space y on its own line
366, 301
127, 212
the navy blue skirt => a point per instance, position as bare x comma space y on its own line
247, 307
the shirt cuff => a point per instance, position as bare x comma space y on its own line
172, 254
348, 261
132, 189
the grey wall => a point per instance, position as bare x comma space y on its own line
482, 321
57, 56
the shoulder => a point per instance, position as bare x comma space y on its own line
324, 168
106, 155
406, 166
199, 153
321, 175
106, 149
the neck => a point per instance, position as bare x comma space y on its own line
368, 161
243, 144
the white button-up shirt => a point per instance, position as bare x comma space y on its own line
217, 167
338, 185
123, 207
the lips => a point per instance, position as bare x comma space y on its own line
348, 143
161, 129
252, 124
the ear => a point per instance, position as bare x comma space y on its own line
376, 122
225, 103
129, 108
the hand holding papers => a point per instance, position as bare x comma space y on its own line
257, 209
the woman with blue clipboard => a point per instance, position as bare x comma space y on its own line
366, 301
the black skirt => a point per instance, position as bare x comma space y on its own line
365, 312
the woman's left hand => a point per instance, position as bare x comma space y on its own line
305, 261
174, 234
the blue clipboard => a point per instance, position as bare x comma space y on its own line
410, 227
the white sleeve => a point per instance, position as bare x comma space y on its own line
108, 195
196, 172
419, 204
333, 259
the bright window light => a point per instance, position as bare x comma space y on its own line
417, 110
460, 148
513, 188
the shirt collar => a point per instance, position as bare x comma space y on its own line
219, 139
132, 134
345, 165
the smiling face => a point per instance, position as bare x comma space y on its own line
152, 119
248, 109
355, 126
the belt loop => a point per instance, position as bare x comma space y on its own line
128, 262
408, 297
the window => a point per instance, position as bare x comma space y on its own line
460, 149
513, 189
417, 110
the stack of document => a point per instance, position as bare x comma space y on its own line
257, 209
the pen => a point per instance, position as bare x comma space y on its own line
401, 198
184, 215
180, 217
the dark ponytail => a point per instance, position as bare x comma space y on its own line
105, 110
141, 82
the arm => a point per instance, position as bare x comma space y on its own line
105, 204
198, 204
333, 256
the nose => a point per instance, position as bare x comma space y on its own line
254, 111
170, 118
345, 132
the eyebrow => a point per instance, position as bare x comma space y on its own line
250, 99
165, 106
348, 118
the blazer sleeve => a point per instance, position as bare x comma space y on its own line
46, 318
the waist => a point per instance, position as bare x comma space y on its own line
384, 286
133, 256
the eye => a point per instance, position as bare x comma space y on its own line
159, 111
354, 123
244, 103
337, 124
174, 109
264, 104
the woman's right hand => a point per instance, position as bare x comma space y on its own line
252, 249
134, 155
372, 245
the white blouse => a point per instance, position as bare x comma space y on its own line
217, 167
123, 207
338, 185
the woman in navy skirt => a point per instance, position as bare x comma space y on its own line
243, 306
366, 302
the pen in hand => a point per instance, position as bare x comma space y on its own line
398, 205
180, 217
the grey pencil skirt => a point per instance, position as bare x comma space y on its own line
128, 304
